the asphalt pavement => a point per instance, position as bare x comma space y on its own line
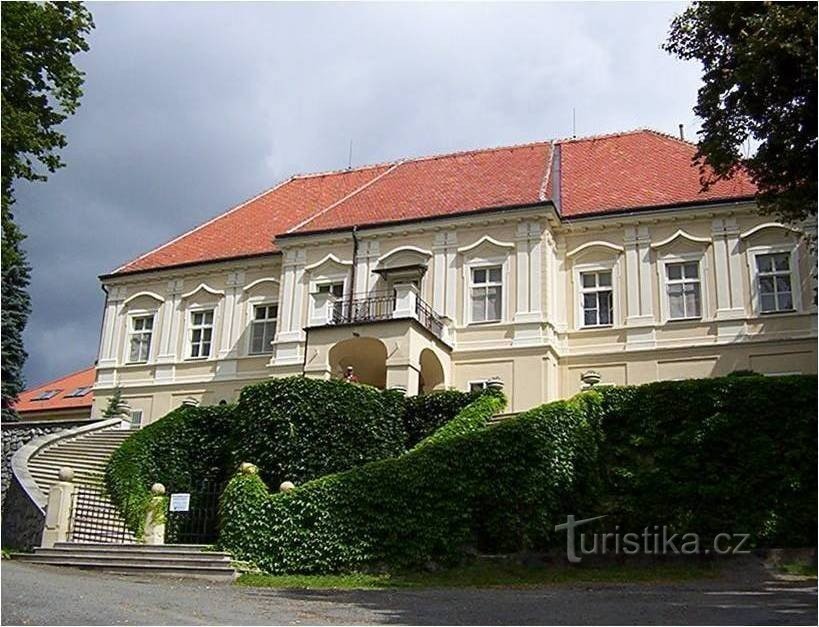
46, 595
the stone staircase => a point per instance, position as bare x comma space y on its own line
171, 560
87, 455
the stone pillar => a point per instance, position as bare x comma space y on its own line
290, 336
365, 262
445, 273
154, 529
58, 510
169, 330
405, 301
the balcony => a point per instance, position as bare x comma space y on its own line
402, 302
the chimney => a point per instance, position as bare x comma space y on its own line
682, 133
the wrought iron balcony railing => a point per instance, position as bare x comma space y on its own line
374, 306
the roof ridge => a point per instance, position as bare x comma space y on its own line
671, 137
369, 166
358, 189
544, 185
224, 214
472, 151
65, 376
571, 140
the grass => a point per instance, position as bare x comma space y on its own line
488, 575
801, 569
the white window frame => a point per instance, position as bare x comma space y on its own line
584, 268
251, 314
796, 285
702, 269
132, 316
484, 383
189, 333
503, 288
132, 413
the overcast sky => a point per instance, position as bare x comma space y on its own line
191, 108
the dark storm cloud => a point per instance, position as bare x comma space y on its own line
191, 108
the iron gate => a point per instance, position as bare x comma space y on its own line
200, 524
94, 518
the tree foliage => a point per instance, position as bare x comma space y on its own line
117, 407
759, 75
41, 87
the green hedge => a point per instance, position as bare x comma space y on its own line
293, 428
187, 446
499, 489
297, 429
736, 454
426, 413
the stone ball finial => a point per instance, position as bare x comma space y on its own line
590, 378
287, 486
66, 474
246, 468
157, 489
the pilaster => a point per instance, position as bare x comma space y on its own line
169, 331
727, 269
290, 336
639, 295
445, 273
528, 261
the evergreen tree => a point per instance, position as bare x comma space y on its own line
41, 87
117, 407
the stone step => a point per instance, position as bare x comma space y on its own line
120, 551
134, 547
63, 459
136, 567
85, 447
76, 463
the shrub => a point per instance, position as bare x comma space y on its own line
298, 429
294, 428
500, 488
426, 413
185, 447
736, 455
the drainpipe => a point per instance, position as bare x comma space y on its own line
102, 321
352, 273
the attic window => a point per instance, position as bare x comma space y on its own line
48, 394
79, 392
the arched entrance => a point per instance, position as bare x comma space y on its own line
432, 373
366, 355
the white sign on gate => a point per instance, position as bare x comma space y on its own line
180, 502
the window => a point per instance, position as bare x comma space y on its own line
201, 333
142, 328
773, 276
683, 289
596, 298
136, 418
477, 386
46, 395
336, 289
263, 328
79, 392
486, 294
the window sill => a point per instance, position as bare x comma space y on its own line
783, 312
483, 323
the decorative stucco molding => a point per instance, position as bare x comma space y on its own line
206, 288
156, 297
247, 288
331, 258
768, 225
680, 233
486, 239
404, 249
596, 243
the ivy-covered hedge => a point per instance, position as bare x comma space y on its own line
426, 413
497, 488
297, 429
736, 454
293, 428
730, 455
187, 446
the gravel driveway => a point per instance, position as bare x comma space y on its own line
34, 594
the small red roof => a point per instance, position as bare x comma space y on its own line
59, 393
593, 175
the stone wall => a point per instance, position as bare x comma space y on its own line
15, 435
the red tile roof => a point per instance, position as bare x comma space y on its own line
603, 174
60, 401
632, 170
